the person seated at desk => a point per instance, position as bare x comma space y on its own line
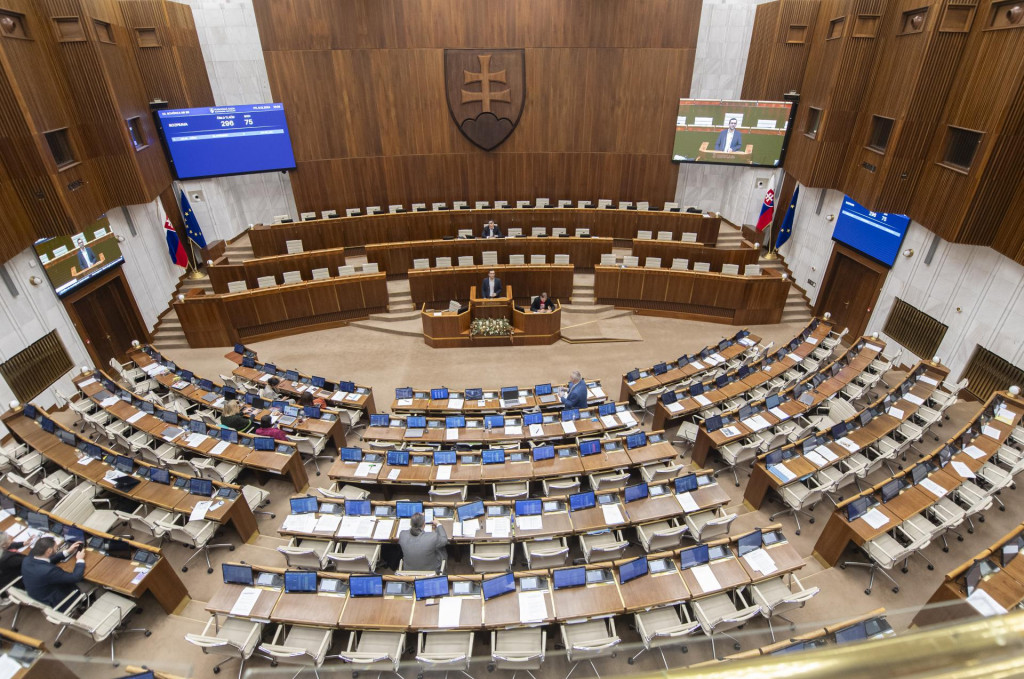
269, 390
267, 428
232, 417
576, 395
43, 579
492, 286
10, 559
492, 230
306, 399
542, 303
422, 550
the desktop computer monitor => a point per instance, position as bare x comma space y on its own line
635, 492
749, 542
891, 489
416, 422
591, 447
606, 409
405, 510
351, 455
579, 501
542, 389
636, 440
543, 453
565, 578
263, 443
495, 587
299, 582
858, 508
632, 570
303, 505
38, 521
430, 588
694, 556
229, 435
493, 456
852, 633
366, 585
470, 511
533, 418
444, 457
235, 574
570, 414
439, 394
474, 394
494, 421
159, 475
403, 393
398, 458
454, 422
202, 487
124, 464
529, 507
686, 484
357, 507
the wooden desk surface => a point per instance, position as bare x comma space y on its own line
654, 589
224, 599
729, 573
318, 610
786, 559
587, 602
471, 616
909, 502
387, 613
504, 611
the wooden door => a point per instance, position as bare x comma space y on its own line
850, 289
106, 317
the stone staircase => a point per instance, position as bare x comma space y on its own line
797, 307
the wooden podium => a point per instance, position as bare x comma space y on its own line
745, 156
445, 329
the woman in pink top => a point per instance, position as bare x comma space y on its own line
267, 428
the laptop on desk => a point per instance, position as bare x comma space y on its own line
286, 420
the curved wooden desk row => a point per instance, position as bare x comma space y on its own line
694, 295
611, 511
667, 250
975, 449
457, 404
287, 464
323, 234
831, 451
124, 576
170, 497
328, 425
264, 313
764, 369
854, 360
223, 271
518, 465
603, 599
437, 287
552, 429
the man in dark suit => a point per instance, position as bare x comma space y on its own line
43, 579
576, 395
422, 550
492, 286
729, 139
492, 230
542, 303
86, 257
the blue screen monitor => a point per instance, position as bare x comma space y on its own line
919, 473
398, 458
73, 535
351, 455
303, 505
470, 511
236, 574
124, 464
403, 392
660, 368
636, 492
197, 426
891, 489
636, 440
494, 456
405, 510
495, 587
169, 416
347, 387
694, 556
606, 409
159, 475
669, 397
569, 577
379, 420
852, 633
632, 570
439, 394
280, 405
66, 437
686, 484
291, 375
542, 389
38, 521
529, 507
317, 382
29, 411
298, 582
229, 435
248, 362
543, 453
633, 375
878, 235
186, 375
416, 422
429, 588
474, 393
263, 442
857, 508
533, 418
570, 414
748, 543
494, 421
205, 385
366, 585
47, 425
444, 457
311, 411
455, 422
579, 501
591, 447
202, 487
357, 507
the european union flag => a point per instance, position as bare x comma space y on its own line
786, 230
195, 234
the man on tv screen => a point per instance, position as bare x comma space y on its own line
86, 257
729, 139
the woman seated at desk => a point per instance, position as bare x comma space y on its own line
232, 417
306, 399
267, 428
542, 303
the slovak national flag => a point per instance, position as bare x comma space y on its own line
768, 207
174, 246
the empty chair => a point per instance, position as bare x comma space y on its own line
371, 267
466, 260
346, 270
652, 263
582, 232
798, 498
448, 493
752, 270
702, 266
644, 235
661, 535
732, 269
558, 231
585, 641
491, 557
736, 458
664, 235
538, 231
102, 620
320, 274
237, 286
313, 448
374, 651
266, 282
603, 546
609, 259
489, 258
197, 534
517, 259
546, 553
709, 524
518, 649
560, 486
680, 264
445, 651
299, 645
443, 262
561, 259
511, 490
291, 277
660, 472
234, 638
293, 247
775, 597
605, 481
885, 552
515, 232
718, 613
538, 259
307, 216
354, 557
663, 627
421, 263
630, 260
689, 237
256, 497
306, 553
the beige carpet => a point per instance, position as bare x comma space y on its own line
387, 361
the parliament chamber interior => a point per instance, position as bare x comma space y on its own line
543, 337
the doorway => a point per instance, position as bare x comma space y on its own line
106, 317
850, 289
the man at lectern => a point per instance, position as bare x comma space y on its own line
492, 230
86, 257
492, 286
542, 303
576, 395
729, 139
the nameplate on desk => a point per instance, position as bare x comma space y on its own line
136, 417
219, 448
875, 518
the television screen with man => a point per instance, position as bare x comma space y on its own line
731, 132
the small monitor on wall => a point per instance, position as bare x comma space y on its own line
732, 132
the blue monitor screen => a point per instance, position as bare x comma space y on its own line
280, 405
749, 542
590, 447
403, 392
202, 487
439, 394
379, 420
404, 510
494, 456
398, 458
444, 457
528, 507
351, 455
29, 411
226, 140
428, 588
510, 393
636, 440
569, 577
311, 411
455, 421
73, 535
124, 464
158, 475
357, 507
533, 418
606, 409
494, 421
347, 387
570, 414
474, 393
47, 425
669, 397
543, 453
694, 556
471, 511
503, 584
632, 570
229, 435
637, 492
186, 375
197, 426
291, 375
857, 508
303, 505
366, 585
878, 235
299, 581
686, 484
580, 501
659, 369
169, 416
416, 422
248, 362
236, 574
318, 382
38, 521
263, 443
205, 385
542, 389
852, 633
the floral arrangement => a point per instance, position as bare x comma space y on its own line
490, 327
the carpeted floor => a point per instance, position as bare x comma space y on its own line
386, 361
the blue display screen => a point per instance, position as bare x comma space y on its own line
637, 492
223, 140
632, 570
428, 588
404, 510
581, 501
569, 577
878, 235
237, 574
503, 584
303, 505
357, 507
299, 581
528, 507
366, 585
543, 453
470, 511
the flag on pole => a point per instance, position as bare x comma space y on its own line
768, 207
174, 246
786, 230
192, 230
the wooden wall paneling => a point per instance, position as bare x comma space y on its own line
779, 45
323, 295
188, 54
296, 301
206, 322
763, 44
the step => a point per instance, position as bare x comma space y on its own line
395, 315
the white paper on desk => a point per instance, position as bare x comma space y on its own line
747, 342
779, 413
932, 487
456, 403
340, 396
195, 440
761, 561
847, 443
702, 400
264, 377
402, 402
299, 523
444, 472
962, 469
394, 474
756, 423
499, 526
872, 347
706, 578
809, 340
716, 358
247, 598
674, 407
627, 418
532, 607
913, 398
449, 612
698, 365
382, 531
4, 514
513, 430
85, 460
609, 421
347, 528
367, 468
782, 471
199, 511
219, 403
219, 448
136, 417
596, 393
687, 502
793, 357
612, 514
975, 452
404, 524
981, 601
86, 383
451, 434
109, 401
327, 523
15, 529
990, 431
365, 526
533, 522
875, 518
140, 573
815, 459
536, 430
730, 431
8, 666
354, 396
569, 427
112, 475
826, 453
895, 412
929, 380
470, 528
